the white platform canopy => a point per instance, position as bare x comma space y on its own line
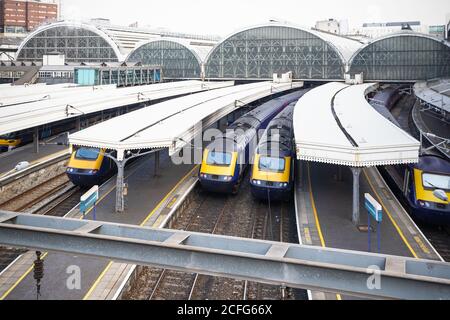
30, 107
435, 93
172, 124
335, 124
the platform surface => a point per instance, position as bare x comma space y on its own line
17, 282
9, 160
324, 211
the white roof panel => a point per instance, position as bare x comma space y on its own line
435, 93
70, 102
335, 124
164, 124
345, 45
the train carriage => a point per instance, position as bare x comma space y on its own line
226, 159
272, 175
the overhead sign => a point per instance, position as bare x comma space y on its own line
89, 199
374, 208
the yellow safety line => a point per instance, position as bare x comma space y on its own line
168, 195
97, 281
391, 218
316, 216
3, 297
31, 268
94, 286
46, 253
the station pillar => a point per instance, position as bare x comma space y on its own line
36, 140
356, 179
299, 173
120, 201
78, 124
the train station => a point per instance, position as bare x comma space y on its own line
274, 162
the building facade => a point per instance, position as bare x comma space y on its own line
21, 16
330, 25
377, 30
437, 31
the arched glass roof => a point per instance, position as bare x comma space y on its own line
406, 56
259, 52
177, 60
78, 42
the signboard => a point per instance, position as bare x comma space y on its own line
89, 199
374, 208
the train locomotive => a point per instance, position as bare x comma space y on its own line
272, 175
89, 166
226, 159
424, 188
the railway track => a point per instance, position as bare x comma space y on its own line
239, 216
58, 207
439, 238
32, 197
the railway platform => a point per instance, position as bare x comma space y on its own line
47, 152
100, 278
324, 206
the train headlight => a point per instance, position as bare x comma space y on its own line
424, 204
227, 178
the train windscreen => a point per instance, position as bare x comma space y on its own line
435, 181
272, 164
87, 154
219, 159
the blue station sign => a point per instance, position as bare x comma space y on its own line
374, 208
88, 200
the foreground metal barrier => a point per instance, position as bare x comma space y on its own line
338, 271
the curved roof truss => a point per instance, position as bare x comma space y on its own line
404, 56
68, 24
304, 52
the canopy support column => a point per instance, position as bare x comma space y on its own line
120, 201
121, 161
36, 140
356, 212
78, 124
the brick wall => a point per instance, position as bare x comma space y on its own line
26, 14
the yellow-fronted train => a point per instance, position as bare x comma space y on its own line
272, 175
424, 188
89, 167
225, 160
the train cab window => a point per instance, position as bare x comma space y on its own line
87, 154
219, 159
436, 181
7, 136
272, 164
